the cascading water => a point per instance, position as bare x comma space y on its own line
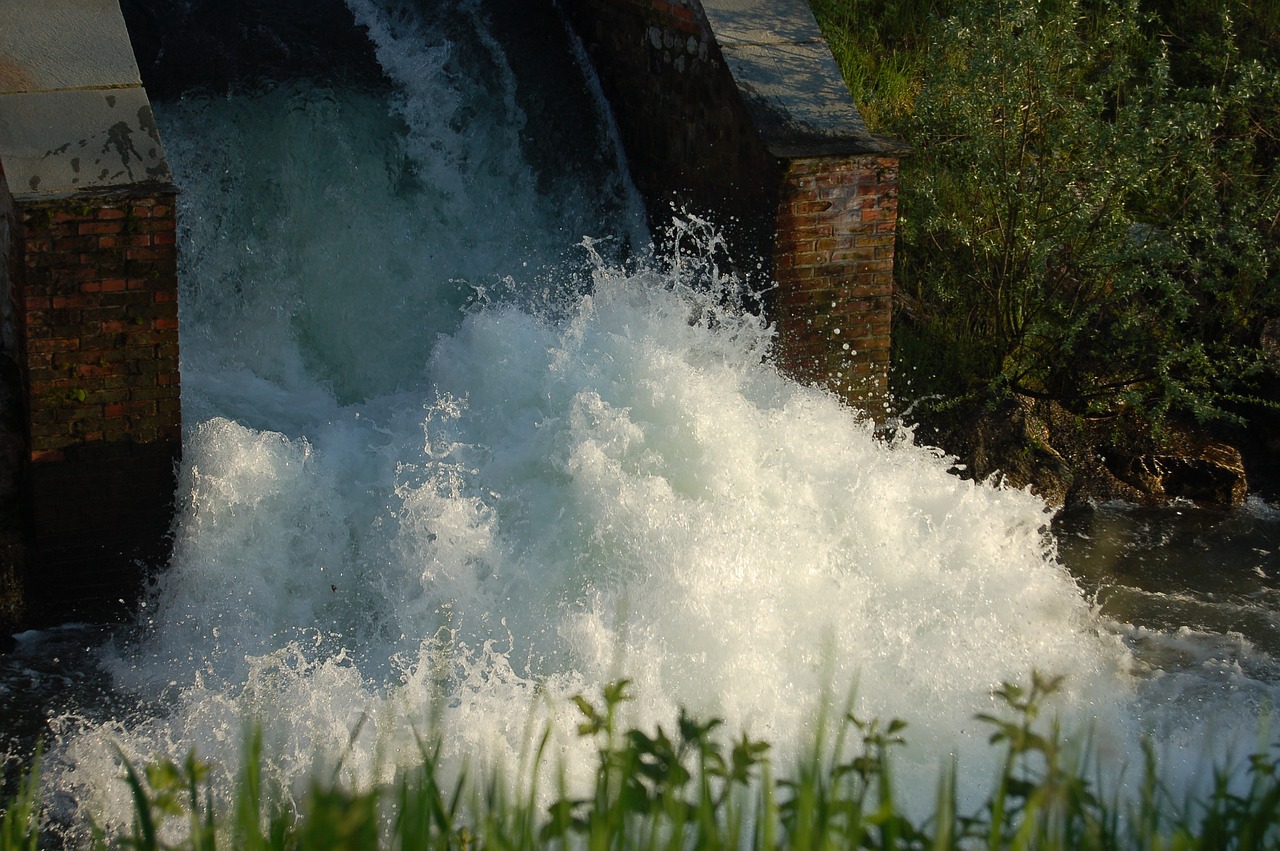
447, 463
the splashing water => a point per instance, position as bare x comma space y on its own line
448, 464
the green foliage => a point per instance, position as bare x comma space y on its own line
19, 826
879, 46
1091, 213
653, 790
167, 790
1089, 231
691, 789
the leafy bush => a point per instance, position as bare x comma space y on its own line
1091, 213
1085, 229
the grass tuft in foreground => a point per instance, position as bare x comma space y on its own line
690, 789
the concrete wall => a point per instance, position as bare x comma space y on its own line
734, 109
92, 286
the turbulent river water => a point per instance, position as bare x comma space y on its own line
458, 447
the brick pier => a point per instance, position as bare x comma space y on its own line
91, 321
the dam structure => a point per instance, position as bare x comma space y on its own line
732, 110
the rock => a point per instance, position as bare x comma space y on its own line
1211, 474
1035, 443
1068, 459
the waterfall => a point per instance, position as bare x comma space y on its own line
458, 447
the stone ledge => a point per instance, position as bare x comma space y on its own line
52, 45
69, 142
789, 80
74, 117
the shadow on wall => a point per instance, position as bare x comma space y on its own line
225, 46
13, 445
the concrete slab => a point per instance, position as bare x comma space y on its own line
799, 101
57, 143
788, 78
73, 114
761, 22
64, 44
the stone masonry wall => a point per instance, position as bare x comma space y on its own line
98, 319
821, 225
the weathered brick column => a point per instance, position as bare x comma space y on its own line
734, 109
98, 299
92, 286
833, 261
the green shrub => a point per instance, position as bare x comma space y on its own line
1089, 231
1091, 213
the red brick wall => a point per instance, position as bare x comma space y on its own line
833, 262
98, 319
100, 313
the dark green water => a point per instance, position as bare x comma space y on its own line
1188, 586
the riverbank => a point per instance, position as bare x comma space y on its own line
1085, 297
1071, 460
